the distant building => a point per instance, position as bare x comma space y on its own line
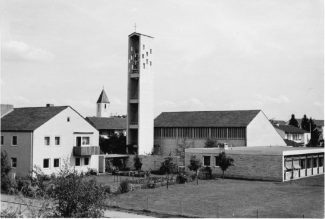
140, 93
45, 136
291, 133
108, 126
103, 106
249, 128
277, 122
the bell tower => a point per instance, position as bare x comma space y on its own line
140, 93
103, 105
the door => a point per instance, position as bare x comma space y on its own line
78, 141
101, 164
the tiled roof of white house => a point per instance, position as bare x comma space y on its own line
103, 98
235, 118
290, 129
29, 118
107, 123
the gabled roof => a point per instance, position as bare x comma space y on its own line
107, 123
290, 129
135, 33
103, 98
29, 118
237, 118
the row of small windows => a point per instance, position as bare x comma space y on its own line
57, 141
207, 161
144, 47
14, 140
56, 162
304, 162
218, 133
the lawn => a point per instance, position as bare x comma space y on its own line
232, 198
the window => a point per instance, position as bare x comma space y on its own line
147, 53
315, 161
321, 161
85, 140
14, 141
1, 139
150, 64
131, 48
68, 119
77, 162
143, 47
147, 61
46, 163
303, 163
47, 141
105, 106
308, 162
57, 140
150, 51
13, 162
78, 141
143, 56
56, 162
217, 161
144, 66
86, 161
206, 160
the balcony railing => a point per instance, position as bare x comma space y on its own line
86, 151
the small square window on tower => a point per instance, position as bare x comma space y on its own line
147, 61
150, 51
147, 53
143, 56
144, 66
143, 47
150, 64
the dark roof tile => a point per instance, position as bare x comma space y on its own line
103, 98
290, 129
107, 123
238, 118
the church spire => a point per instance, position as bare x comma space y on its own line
103, 105
103, 98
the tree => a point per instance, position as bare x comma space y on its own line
6, 182
180, 149
305, 123
314, 135
195, 165
211, 143
114, 144
293, 121
137, 163
167, 167
224, 162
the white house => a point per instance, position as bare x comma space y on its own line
249, 128
45, 136
289, 132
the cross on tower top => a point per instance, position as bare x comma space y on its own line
135, 27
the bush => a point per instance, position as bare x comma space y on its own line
137, 163
181, 178
124, 186
7, 184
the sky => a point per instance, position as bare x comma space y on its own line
208, 55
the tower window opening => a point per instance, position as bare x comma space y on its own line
142, 55
131, 48
150, 63
143, 46
144, 66
150, 51
105, 106
147, 53
147, 61
68, 119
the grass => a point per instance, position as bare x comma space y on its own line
232, 198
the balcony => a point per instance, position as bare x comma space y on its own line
86, 151
134, 125
134, 73
134, 99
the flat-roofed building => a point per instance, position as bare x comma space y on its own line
263, 163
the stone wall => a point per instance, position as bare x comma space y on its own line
169, 145
152, 162
246, 166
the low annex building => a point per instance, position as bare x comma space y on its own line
263, 163
249, 128
45, 136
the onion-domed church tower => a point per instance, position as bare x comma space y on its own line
103, 105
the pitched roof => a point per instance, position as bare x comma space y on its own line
280, 122
103, 97
29, 118
107, 123
238, 118
290, 129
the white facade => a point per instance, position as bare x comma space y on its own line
260, 126
298, 138
103, 110
140, 93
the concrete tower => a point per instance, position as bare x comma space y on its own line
103, 105
140, 93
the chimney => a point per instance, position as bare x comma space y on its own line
49, 105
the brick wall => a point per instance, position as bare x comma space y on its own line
246, 166
149, 162
168, 145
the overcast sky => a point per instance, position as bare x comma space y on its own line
209, 55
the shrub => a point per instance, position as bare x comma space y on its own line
137, 163
7, 183
181, 178
124, 186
